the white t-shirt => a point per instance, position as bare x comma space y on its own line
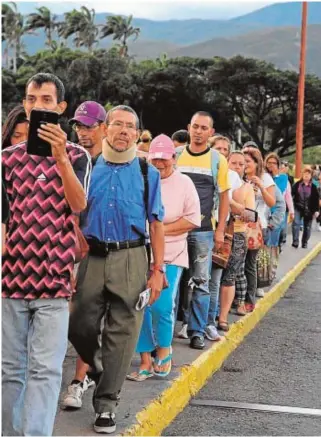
261, 207
235, 182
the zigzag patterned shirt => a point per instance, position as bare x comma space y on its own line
41, 239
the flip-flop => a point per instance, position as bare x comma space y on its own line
140, 376
159, 362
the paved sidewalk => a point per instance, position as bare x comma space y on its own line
135, 396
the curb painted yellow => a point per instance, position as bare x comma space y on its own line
159, 413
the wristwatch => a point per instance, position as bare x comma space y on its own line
159, 268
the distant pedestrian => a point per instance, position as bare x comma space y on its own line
306, 207
181, 138
144, 144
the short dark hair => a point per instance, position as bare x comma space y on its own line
204, 114
40, 78
181, 136
16, 116
123, 108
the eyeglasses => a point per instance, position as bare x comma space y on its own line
78, 127
121, 125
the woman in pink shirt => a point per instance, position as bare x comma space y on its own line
182, 214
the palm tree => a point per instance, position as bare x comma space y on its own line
121, 28
82, 24
12, 31
42, 19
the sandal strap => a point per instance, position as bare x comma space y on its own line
161, 362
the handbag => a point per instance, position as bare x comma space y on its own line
254, 235
267, 263
220, 257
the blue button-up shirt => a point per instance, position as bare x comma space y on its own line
116, 209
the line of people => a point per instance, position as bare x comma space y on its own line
151, 228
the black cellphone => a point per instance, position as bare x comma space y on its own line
251, 215
35, 145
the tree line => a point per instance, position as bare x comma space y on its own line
248, 99
77, 24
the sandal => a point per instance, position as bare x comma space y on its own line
140, 376
160, 362
241, 310
223, 326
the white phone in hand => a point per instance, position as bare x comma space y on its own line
143, 299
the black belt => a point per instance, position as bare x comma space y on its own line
101, 248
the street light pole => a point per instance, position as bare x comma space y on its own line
300, 110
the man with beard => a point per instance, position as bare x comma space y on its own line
89, 124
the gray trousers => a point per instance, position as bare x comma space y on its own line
108, 287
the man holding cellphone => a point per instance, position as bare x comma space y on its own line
43, 193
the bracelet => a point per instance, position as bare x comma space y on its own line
158, 268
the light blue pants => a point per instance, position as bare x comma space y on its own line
34, 344
159, 318
215, 285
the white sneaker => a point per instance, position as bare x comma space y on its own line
183, 332
73, 399
260, 292
87, 383
212, 334
319, 228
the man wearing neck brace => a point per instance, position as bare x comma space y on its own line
113, 275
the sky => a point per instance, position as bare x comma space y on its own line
163, 9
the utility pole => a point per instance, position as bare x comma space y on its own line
300, 110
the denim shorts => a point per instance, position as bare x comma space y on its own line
238, 254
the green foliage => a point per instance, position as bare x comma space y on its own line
81, 24
43, 18
310, 156
240, 93
121, 29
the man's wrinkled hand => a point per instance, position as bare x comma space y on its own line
155, 283
57, 138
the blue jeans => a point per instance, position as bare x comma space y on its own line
200, 245
159, 319
215, 285
284, 230
34, 346
307, 225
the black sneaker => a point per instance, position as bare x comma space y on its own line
296, 245
304, 245
105, 423
197, 342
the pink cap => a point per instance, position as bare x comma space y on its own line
162, 147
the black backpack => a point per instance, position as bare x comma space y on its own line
144, 169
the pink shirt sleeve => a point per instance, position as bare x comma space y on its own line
192, 208
288, 199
